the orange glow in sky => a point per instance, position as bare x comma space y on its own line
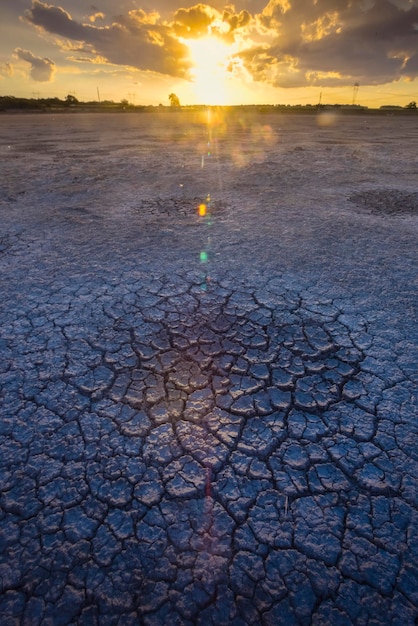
210, 52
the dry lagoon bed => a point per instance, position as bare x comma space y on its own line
208, 369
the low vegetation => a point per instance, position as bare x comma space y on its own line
70, 102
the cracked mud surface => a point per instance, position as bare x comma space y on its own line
207, 419
387, 201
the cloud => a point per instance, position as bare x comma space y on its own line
96, 16
287, 43
203, 20
55, 20
42, 70
334, 42
194, 22
6, 70
236, 20
137, 39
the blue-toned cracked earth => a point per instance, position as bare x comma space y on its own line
218, 438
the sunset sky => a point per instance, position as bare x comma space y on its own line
251, 51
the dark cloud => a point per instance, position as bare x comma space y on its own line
287, 43
55, 20
333, 42
411, 66
42, 70
135, 39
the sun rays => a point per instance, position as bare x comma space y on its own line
212, 62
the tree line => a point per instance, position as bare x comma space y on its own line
71, 102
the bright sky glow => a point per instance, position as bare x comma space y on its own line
246, 52
211, 77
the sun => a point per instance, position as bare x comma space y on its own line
211, 60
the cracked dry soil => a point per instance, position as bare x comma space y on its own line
208, 418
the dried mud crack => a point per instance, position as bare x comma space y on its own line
208, 370
176, 206
387, 201
213, 444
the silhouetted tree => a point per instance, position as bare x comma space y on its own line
411, 105
70, 99
174, 101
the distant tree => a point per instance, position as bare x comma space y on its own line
124, 102
411, 105
174, 101
70, 99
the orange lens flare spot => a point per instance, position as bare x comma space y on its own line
202, 210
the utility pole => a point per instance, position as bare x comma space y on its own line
355, 92
98, 95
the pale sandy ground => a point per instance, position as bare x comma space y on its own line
308, 255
